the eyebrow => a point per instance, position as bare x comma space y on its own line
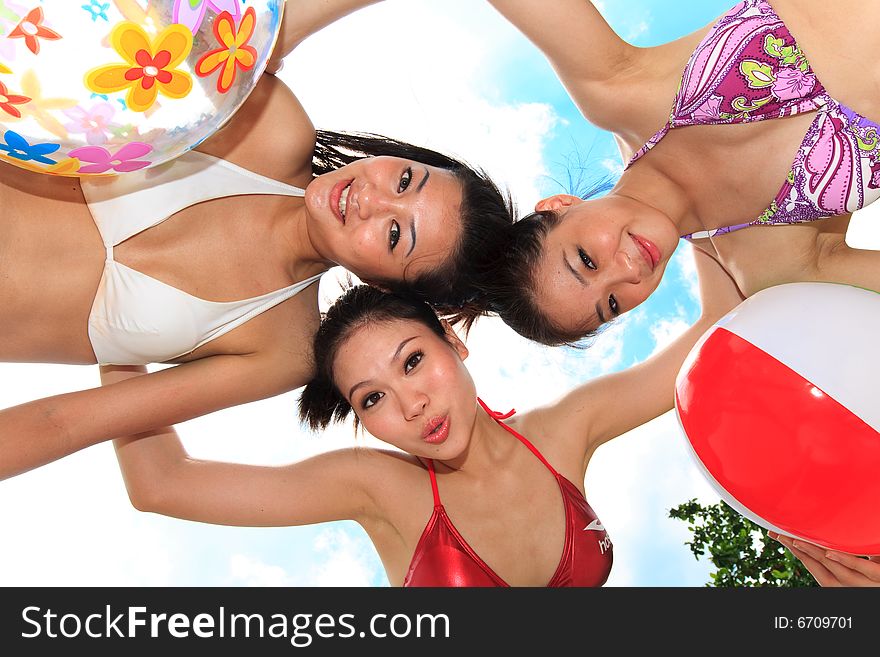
396, 355
585, 283
574, 272
424, 180
412, 226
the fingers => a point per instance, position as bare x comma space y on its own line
830, 567
859, 572
813, 559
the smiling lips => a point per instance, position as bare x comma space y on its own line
436, 430
649, 251
339, 199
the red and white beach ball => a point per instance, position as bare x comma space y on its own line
780, 403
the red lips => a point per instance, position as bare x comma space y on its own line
649, 251
335, 195
436, 430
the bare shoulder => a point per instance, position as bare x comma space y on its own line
390, 478
557, 443
270, 134
636, 101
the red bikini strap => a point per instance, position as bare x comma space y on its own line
434, 488
503, 416
495, 414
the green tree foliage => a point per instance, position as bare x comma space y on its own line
740, 550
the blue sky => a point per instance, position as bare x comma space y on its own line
450, 74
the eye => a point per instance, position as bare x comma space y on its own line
588, 262
412, 361
394, 234
612, 303
372, 399
405, 180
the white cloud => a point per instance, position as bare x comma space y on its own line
614, 167
431, 87
244, 570
666, 330
344, 559
639, 29
864, 228
631, 483
684, 263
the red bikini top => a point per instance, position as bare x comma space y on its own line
444, 558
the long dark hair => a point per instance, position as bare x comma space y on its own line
512, 292
321, 402
486, 217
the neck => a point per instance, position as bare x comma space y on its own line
656, 190
292, 235
489, 444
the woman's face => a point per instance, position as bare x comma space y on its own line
409, 387
382, 216
604, 257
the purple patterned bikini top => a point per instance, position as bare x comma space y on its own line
750, 68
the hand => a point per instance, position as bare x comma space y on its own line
832, 568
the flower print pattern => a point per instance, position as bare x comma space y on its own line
192, 12
749, 67
793, 83
66, 167
9, 101
150, 65
10, 16
32, 30
841, 161
710, 110
42, 109
94, 122
97, 10
127, 158
874, 183
18, 148
234, 53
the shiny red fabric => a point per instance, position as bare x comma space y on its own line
444, 558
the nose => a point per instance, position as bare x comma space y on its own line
626, 270
414, 403
372, 202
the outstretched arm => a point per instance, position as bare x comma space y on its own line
586, 53
162, 478
832, 568
611, 405
44, 430
841, 263
302, 18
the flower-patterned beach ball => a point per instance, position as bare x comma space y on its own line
103, 87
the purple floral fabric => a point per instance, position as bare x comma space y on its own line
750, 68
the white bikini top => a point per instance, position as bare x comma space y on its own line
136, 319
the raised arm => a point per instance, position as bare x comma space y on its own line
44, 430
840, 263
302, 18
611, 405
162, 478
586, 53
